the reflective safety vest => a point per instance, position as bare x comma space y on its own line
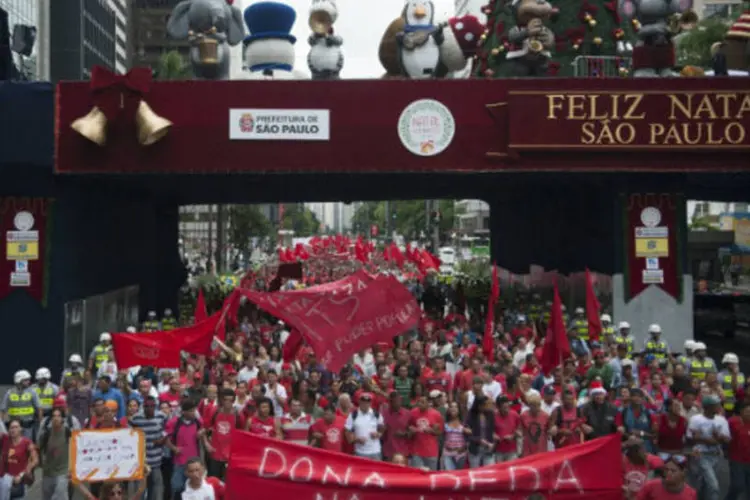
546, 316
21, 404
628, 341
168, 324
608, 331
726, 384
101, 354
582, 327
658, 349
535, 312
699, 369
46, 396
151, 326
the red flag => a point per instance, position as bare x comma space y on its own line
195, 339
556, 347
200, 313
138, 349
396, 255
592, 309
487, 340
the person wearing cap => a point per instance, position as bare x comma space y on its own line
672, 485
152, 323
22, 402
580, 324
701, 364
598, 413
364, 428
46, 390
106, 392
100, 352
608, 331
425, 426
654, 344
108, 366
168, 321
731, 379
686, 357
707, 433
623, 337
75, 365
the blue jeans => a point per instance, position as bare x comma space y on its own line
454, 463
155, 485
427, 462
739, 480
481, 459
178, 480
704, 477
372, 456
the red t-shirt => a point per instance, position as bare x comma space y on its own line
506, 427
262, 427
655, 490
534, 432
739, 446
672, 438
16, 457
173, 398
437, 381
333, 433
635, 476
523, 331
221, 425
424, 444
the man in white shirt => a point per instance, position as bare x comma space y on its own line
708, 433
196, 487
366, 363
490, 388
276, 393
523, 349
249, 371
364, 427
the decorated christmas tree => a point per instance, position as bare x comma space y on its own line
591, 38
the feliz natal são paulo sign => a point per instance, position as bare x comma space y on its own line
629, 120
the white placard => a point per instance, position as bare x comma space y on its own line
107, 455
279, 124
654, 277
20, 279
652, 263
652, 232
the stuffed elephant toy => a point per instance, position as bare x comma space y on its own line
212, 26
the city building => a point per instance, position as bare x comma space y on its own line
149, 32
710, 211
86, 33
334, 216
21, 13
473, 217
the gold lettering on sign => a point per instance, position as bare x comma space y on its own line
682, 119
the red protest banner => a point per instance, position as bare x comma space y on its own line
338, 321
268, 466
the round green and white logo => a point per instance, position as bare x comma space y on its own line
426, 127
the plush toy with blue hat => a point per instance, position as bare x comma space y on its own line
269, 48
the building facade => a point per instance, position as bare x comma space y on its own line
473, 217
22, 13
148, 31
86, 33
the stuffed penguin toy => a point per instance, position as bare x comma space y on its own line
419, 43
325, 58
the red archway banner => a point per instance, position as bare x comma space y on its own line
24, 254
267, 467
652, 244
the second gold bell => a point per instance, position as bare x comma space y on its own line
150, 127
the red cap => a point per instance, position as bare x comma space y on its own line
367, 395
60, 402
467, 30
286, 366
322, 402
596, 384
230, 370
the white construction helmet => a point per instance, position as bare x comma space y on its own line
699, 346
624, 325
21, 376
152, 314
579, 310
655, 328
607, 318
105, 337
131, 329
730, 357
689, 345
43, 374
167, 312
75, 358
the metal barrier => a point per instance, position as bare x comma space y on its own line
602, 66
86, 319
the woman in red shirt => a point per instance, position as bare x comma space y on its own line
263, 422
671, 428
19, 458
673, 486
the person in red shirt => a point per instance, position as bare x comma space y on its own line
438, 379
672, 486
19, 456
219, 427
426, 426
207, 405
522, 329
534, 424
671, 428
739, 454
396, 419
636, 466
328, 432
507, 430
173, 396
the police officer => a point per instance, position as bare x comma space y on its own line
100, 352
654, 345
701, 364
547, 312
21, 402
535, 309
608, 331
151, 324
75, 365
168, 321
731, 379
580, 324
687, 356
45, 390
623, 337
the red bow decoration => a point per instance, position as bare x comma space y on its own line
115, 94
612, 8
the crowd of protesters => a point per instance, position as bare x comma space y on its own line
431, 399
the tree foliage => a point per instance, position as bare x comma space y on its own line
245, 222
172, 66
408, 218
301, 220
694, 46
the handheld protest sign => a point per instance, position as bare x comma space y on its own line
102, 455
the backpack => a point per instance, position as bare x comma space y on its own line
559, 419
178, 425
355, 414
44, 440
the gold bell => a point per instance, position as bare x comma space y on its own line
151, 127
93, 126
